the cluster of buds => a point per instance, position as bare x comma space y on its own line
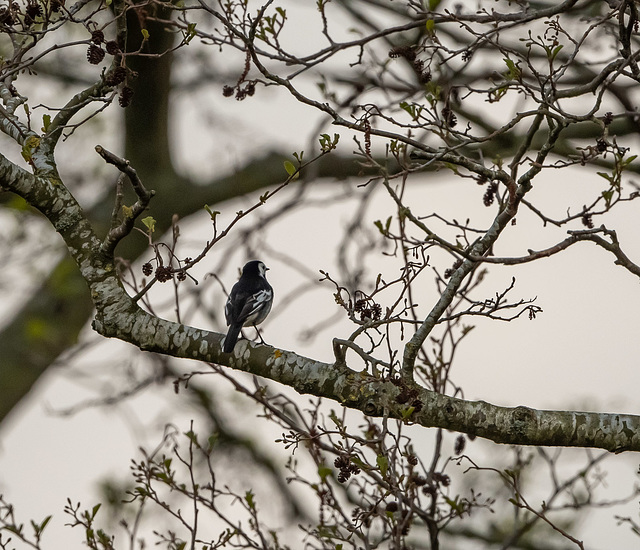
587, 220
241, 92
164, 273
404, 521
409, 53
32, 11
116, 76
437, 479
26, 15
126, 94
591, 152
346, 467
490, 194
449, 271
368, 311
243, 88
95, 53
449, 117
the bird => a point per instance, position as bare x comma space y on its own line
249, 302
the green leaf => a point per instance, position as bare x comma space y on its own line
17, 529
384, 229
456, 505
383, 463
414, 110
324, 472
30, 145
433, 4
26, 154
406, 413
434, 91
212, 213
193, 437
17, 203
45, 522
248, 496
513, 72
334, 418
555, 52
46, 122
150, 223
431, 26
190, 33
290, 167
452, 167
407, 107
606, 176
327, 143
37, 529
145, 34
94, 510
466, 329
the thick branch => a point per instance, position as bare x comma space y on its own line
371, 395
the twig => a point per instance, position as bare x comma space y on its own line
120, 230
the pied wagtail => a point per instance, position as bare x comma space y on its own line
249, 302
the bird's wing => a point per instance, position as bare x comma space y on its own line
253, 304
240, 307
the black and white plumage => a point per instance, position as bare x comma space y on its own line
249, 302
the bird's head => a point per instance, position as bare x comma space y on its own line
255, 267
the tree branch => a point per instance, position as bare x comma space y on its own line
121, 230
371, 395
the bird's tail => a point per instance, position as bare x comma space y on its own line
231, 338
